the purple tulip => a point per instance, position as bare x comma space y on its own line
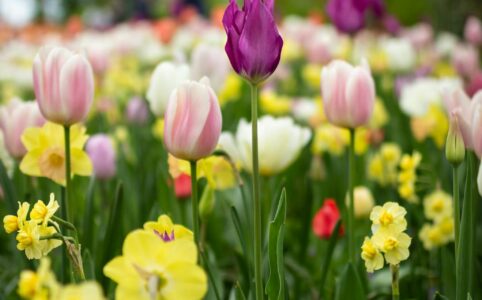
254, 43
349, 15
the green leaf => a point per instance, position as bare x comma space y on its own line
465, 259
8, 189
328, 256
439, 296
448, 274
276, 281
349, 285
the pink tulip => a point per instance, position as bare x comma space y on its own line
465, 59
192, 121
102, 153
473, 31
476, 126
64, 85
14, 119
348, 93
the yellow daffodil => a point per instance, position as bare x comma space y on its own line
408, 176
167, 230
331, 139
14, 223
311, 74
46, 152
382, 167
42, 212
88, 290
389, 218
438, 205
380, 116
434, 124
152, 269
27, 285
446, 226
40, 285
10, 223
274, 104
431, 236
394, 245
28, 239
371, 255
158, 129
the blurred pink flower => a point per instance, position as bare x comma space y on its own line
465, 59
137, 111
102, 153
473, 31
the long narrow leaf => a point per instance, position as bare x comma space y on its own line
328, 256
8, 189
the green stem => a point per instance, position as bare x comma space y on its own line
456, 210
195, 204
65, 199
257, 203
351, 206
395, 288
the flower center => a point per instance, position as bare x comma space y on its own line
390, 243
369, 251
386, 218
24, 239
438, 205
165, 236
52, 163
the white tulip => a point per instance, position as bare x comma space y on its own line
166, 77
400, 53
280, 142
211, 61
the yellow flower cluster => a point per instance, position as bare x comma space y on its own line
158, 262
382, 167
216, 169
231, 89
42, 285
46, 152
123, 79
275, 104
30, 232
389, 242
438, 209
434, 124
408, 176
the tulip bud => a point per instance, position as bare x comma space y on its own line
473, 31
206, 203
166, 77
102, 153
14, 119
193, 121
364, 201
10, 223
182, 186
348, 93
136, 111
454, 146
254, 43
325, 220
63, 84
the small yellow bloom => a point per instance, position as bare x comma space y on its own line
380, 116
438, 205
10, 223
446, 226
390, 218
274, 104
42, 212
382, 167
152, 269
40, 285
46, 152
371, 255
431, 236
28, 239
331, 139
27, 285
167, 230
394, 245
434, 124
311, 74
363, 201
391, 153
158, 129
408, 176
88, 290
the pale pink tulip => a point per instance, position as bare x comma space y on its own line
476, 127
192, 121
465, 59
348, 93
458, 105
64, 85
473, 31
102, 153
14, 119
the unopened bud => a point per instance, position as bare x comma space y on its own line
454, 147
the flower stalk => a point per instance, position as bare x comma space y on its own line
257, 203
351, 206
195, 203
395, 277
65, 198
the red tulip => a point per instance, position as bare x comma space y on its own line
182, 186
325, 220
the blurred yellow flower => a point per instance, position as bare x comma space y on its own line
311, 74
167, 230
388, 218
434, 124
40, 285
274, 104
431, 236
380, 115
364, 201
231, 89
382, 167
291, 50
331, 139
408, 176
28, 239
87, 290
444, 69
43, 213
46, 152
371, 255
152, 269
158, 129
438, 205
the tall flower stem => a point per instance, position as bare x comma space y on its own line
395, 288
456, 209
351, 206
257, 203
195, 203
66, 197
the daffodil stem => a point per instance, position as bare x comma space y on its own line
456, 210
195, 203
351, 206
64, 223
257, 203
395, 289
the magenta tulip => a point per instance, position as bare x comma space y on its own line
193, 121
14, 119
102, 153
64, 85
348, 93
254, 43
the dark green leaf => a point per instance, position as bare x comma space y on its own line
8, 189
349, 285
328, 256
